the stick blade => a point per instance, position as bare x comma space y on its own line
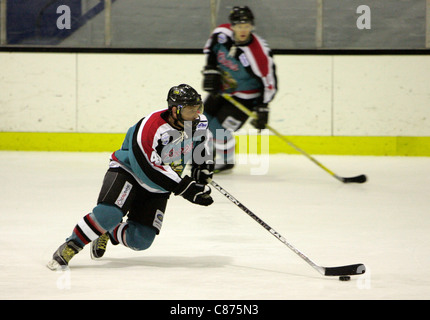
358, 179
349, 270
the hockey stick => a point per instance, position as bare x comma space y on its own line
358, 179
349, 270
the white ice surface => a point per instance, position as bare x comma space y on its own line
219, 252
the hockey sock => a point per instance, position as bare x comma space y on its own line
93, 225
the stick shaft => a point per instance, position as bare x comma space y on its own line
276, 234
251, 114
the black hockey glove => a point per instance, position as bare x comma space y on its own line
211, 79
203, 173
262, 111
194, 192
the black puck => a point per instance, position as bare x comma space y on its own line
344, 278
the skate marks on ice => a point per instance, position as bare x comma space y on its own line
219, 252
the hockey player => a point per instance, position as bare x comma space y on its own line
143, 174
238, 63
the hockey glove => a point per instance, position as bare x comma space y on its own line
211, 79
194, 192
203, 173
262, 111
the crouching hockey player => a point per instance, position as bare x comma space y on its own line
240, 64
143, 174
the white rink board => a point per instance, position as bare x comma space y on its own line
319, 95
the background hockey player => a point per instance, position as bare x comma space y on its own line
239, 63
143, 174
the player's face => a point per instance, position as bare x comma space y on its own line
242, 31
190, 113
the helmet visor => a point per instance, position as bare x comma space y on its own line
191, 112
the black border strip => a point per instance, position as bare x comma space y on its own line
351, 51
104, 50
99, 50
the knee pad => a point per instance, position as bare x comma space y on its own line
135, 235
107, 216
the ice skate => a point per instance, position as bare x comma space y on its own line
98, 246
61, 257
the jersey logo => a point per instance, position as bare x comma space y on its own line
222, 38
226, 62
165, 138
202, 125
244, 60
158, 219
126, 189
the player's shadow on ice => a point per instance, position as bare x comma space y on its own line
176, 262
164, 262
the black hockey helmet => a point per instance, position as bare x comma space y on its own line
241, 15
182, 96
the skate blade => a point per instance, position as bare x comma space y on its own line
55, 266
93, 257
